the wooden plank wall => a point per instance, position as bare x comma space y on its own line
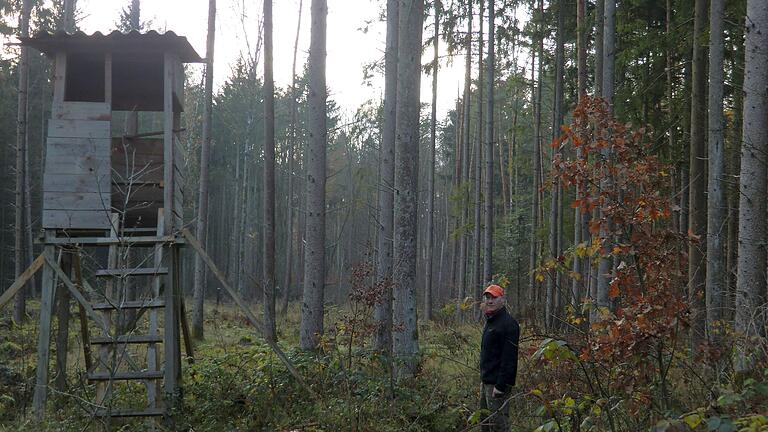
76, 184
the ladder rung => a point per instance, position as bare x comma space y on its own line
106, 241
131, 339
144, 375
147, 412
132, 272
134, 304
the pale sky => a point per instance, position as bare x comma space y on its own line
349, 48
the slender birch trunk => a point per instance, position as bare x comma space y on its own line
268, 242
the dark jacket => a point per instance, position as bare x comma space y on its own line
498, 350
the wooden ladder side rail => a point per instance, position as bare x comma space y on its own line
22, 280
250, 315
77, 294
78, 271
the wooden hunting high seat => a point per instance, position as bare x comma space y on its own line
112, 194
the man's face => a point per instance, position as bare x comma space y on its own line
491, 303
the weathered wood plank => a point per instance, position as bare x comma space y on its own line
79, 129
76, 219
21, 280
91, 182
76, 201
82, 111
74, 147
77, 164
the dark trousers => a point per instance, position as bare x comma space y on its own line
498, 420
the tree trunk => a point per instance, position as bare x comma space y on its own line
431, 177
554, 210
383, 309
205, 151
580, 228
609, 50
536, 102
291, 170
477, 175
464, 178
716, 205
314, 263
488, 241
599, 18
20, 302
751, 283
697, 208
405, 343
268, 262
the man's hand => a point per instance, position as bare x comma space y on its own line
496, 393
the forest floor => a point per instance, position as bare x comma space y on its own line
237, 384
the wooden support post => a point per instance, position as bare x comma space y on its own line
44, 338
63, 302
153, 364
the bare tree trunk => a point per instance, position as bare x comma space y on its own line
464, 179
697, 210
751, 283
268, 285
716, 205
609, 51
477, 267
431, 178
314, 263
205, 151
20, 302
557, 120
292, 148
383, 309
580, 265
535, 199
405, 342
599, 18
488, 241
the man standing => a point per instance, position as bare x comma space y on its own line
498, 358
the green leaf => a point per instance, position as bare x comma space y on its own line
693, 420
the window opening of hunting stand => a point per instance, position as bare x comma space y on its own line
85, 77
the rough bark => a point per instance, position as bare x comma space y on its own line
716, 205
268, 263
431, 176
697, 207
599, 17
383, 309
751, 283
405, 342
205, 151
314, 261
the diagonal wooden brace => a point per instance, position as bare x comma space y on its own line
22, 280
77, 295
241, 303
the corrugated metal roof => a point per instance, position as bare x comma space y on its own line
117, 42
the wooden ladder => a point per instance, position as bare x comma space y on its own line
116, 358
